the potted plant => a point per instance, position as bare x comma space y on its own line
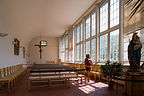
111, 70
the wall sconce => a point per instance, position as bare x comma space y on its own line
3, 34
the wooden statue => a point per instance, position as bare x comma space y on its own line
134, 52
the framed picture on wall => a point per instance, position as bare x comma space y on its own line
16, 46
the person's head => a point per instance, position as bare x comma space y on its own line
87, 56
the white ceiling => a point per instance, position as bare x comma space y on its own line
51, 18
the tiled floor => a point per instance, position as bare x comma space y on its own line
93, 88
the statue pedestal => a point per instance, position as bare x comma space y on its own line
134, 86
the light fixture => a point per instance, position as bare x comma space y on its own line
3, 34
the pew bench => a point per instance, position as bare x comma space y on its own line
52, 73
50, 78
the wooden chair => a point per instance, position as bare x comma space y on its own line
96, 72
9, 75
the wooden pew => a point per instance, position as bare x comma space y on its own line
52, 72
52, 76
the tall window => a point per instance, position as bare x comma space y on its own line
78, 34
104, 17
88, 47
114, 12
70, 56
61, 49
66, 49
79, 42
66, 54
109, 32
104, 47
62, 57
78, 53
66, 42
102, 44
81, 51
81, 31
93, 24
88, 27
114, 45
93, 49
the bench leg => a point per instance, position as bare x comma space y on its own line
14, 81
81, 80
50, 83
85, 80
12, 85
9, 85
29, 84
68, 82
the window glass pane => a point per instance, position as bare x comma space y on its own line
104, 17
93, 23
84, 49
88, 27
88, 47
66, 55
114, 45
71, 56
81, 51
78, 34
78, 52
75, 53
63, 44
93, 45
81, 31
104, 47
43, 42
114, 12
66, 41
62, 57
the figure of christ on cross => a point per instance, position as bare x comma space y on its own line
40, 46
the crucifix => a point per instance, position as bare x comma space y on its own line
42, 43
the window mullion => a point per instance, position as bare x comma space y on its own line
90, 33
108, 29
83, 22
96, 36
108, 14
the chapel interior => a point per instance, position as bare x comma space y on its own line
44, 43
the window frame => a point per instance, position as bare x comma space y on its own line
108, 32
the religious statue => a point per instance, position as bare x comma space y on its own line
134, 52
16, 46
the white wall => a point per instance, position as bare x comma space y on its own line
7, 57
49, 53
